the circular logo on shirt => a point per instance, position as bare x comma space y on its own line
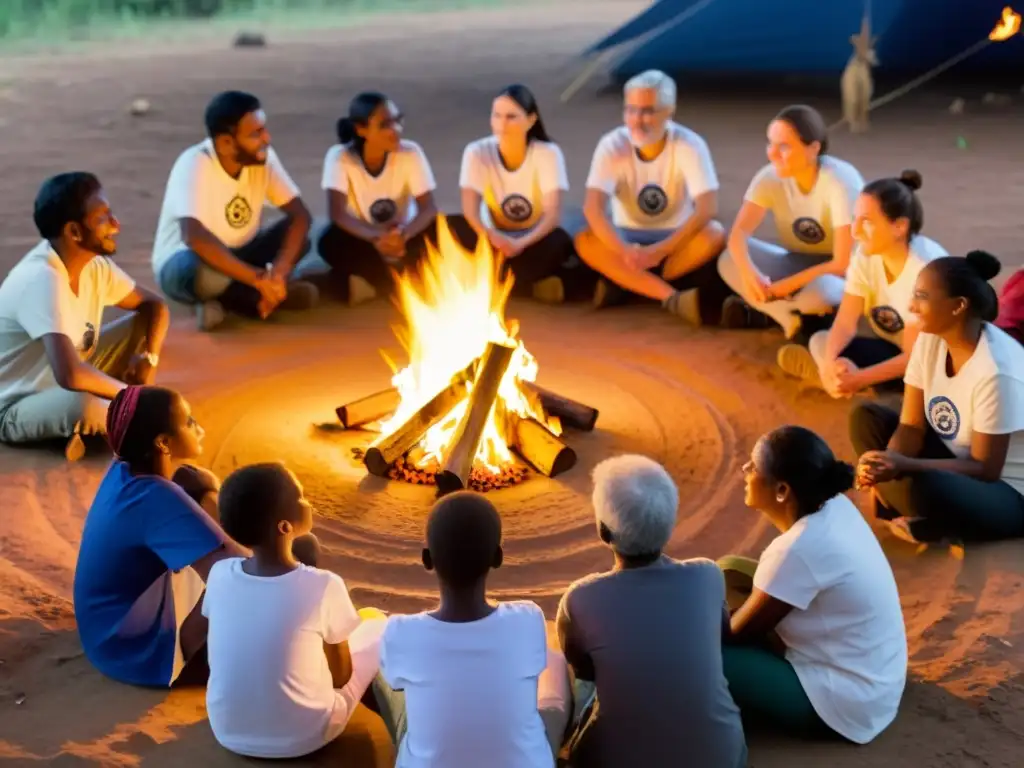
944, 417
516, 208
809, 231
88, 338
888, 319
652, 200
238, 212
383, 210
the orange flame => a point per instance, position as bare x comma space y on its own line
1008, 26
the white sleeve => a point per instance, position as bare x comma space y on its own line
919, 361
846, 186
339, 617
281, 190
698, 168
187, 195
997, 406
40, 310
603, 175
421, 176
783, 574
553, 176
471, 174
858, 281
761, 190
334, 170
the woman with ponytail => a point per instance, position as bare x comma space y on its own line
380, 195
950, 464
513, 182
147, 547
816, 643
870, 340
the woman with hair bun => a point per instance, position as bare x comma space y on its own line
816, 644
870, 341
810, 195
147, 547
950, 465
380, 195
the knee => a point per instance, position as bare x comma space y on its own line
90, 413
716, 236
867, 427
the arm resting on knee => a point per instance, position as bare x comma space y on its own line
595, 211
747, 221
550, 218
73, 373
755, 621
295, 236
215, 255
837, 265
426, 212
339, 661
144, 300
705, 210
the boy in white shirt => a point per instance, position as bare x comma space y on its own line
209, 249
481, 687
290, 657
59, 367
659, 180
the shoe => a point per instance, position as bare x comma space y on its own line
686, 306
75, 448
797, 362
359, 291
737, 314
900, 528
209, 315
608, 294
550, 290
302, 295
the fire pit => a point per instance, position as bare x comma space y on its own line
466, 405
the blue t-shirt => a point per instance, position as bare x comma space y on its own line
137, 531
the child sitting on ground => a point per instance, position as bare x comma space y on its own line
290, 658
481, 687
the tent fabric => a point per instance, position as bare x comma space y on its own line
808, 36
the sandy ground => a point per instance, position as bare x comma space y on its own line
695, 401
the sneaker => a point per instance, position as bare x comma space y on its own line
75, 448
360, 291
550, 290
685, 305
900, 528
302, 295
796, 361
209, 315
736, 314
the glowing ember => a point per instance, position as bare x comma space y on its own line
1008, 26
451, 310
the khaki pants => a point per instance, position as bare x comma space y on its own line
59, 413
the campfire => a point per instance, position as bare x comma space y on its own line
467, 404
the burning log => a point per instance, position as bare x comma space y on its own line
385, 450
368, 409
454, 475
543, 450
569, 412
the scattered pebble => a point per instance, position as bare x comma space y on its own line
957, 107
140, 107
250, 40
995, 99
19, 699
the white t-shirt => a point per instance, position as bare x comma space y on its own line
655, 194
887, 305
845, 636
388, 197
270, 692
986, 395
36, 299
513, 200
470, 689
231, 209
806, 222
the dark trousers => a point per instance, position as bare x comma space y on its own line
866, 351
939, 504
553, 256
348, 255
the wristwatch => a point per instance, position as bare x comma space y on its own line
150, 358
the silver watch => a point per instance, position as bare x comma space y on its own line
150, 358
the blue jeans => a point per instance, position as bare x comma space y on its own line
177, 278
391, 704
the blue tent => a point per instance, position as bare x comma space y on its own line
808, 37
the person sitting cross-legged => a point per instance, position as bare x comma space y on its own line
648, 633
59, 365
290, 657
816, 645
472, 683
209, 250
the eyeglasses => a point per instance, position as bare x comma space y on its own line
631, 111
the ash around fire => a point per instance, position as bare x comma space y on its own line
480, 480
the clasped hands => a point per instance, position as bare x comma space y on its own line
272, 285
391, 245
876, 467
644, 257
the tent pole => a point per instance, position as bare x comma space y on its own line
585, 75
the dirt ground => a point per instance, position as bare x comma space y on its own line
694, 400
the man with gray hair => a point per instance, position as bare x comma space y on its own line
648, 633
661, 237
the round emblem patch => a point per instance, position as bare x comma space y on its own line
516, 208
809, 231
944, 417
383, 210
652, 200
888, 319
238, 212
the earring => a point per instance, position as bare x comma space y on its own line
780, 498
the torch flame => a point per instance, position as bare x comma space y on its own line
1008, 26
451, 309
